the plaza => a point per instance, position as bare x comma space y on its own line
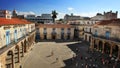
65, 55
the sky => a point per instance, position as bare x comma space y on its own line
77, 7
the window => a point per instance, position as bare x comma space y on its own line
96, 33
45, 31
107, 34
53, 29
62, 30
68, 31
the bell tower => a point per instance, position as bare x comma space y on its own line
14, 14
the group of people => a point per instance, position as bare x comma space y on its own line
94, 60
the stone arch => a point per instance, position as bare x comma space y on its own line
115, 50
100, 45
107, 48
17, 54
10, 59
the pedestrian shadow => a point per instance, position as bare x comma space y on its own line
49, 56
56, 60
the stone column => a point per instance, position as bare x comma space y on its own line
111, 50
92, 44
23, 51
18, 55
103, 47
13, 64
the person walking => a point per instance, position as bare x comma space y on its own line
20, 66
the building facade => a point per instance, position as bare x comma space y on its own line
105, 16
16, 39
55, 31
44, 18
104, 37
71, 17
5, 14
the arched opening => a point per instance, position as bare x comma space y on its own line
22, 49
100, 45
115, 50
68, 33
37, 37
10, 59
85, 37
76, 33
68, 36
95, 45
45, 36
90, 30
25, 47
89, 38
45, 33
62, 35
53, 35
107, 48
16, 54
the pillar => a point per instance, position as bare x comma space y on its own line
103, 47
23, 50
13, 64
92, 44
18, 55
111, 50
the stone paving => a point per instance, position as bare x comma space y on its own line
41, 55
60, 55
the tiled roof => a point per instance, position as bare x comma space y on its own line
113, 22
54, 26
13, 21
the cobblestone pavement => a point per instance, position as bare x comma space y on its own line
48, 55
65, 55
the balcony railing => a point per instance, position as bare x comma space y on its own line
110, 38
88, 32
6, 47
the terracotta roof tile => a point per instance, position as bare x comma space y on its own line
13, 21
114, 22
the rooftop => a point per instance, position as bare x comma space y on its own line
113, 22
13, 21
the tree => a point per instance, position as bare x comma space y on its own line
54, 15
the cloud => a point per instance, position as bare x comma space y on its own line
60, 15
70, 9
86, 14
25, 13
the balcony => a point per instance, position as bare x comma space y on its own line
12, 43
110, 38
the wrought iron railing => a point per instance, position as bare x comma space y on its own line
107, 38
